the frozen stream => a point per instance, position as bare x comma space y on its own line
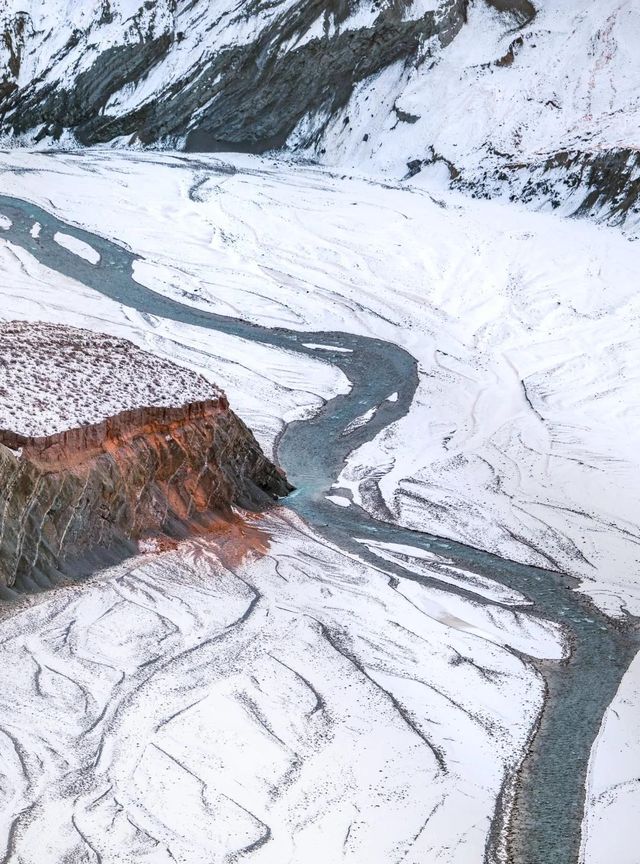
549, 790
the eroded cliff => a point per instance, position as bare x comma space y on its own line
78, 500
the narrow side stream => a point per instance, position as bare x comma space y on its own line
546, 820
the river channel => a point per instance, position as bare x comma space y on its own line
543, 823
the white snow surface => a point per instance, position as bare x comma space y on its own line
441, 568
56, 377
612, 809
314, 346
72, 244
192, 707
340, 500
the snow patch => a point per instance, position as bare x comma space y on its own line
72, 244
339, 500
612, 808
316, 347
362, 420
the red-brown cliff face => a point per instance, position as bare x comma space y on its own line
83, 498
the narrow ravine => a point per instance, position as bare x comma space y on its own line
543, 824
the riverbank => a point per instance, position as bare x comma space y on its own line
384, 386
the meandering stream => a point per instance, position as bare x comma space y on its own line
545, 821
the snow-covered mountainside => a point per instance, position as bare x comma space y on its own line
530, 100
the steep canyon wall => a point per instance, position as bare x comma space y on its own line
84, 498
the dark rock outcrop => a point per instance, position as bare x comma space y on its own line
245, 95
523, 11
603, 185
77, 500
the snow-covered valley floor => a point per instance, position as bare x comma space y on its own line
524, 435
185, 675
291, 708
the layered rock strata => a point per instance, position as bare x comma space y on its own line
257, 69
77, 500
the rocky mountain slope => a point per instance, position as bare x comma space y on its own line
81, 498
536, 101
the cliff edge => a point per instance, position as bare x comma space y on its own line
83, 498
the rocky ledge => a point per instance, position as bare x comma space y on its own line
84, 498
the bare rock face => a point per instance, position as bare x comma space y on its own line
522, 10
80, 499
602, 185
255, 69
74, 501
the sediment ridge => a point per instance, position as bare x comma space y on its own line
84, 498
